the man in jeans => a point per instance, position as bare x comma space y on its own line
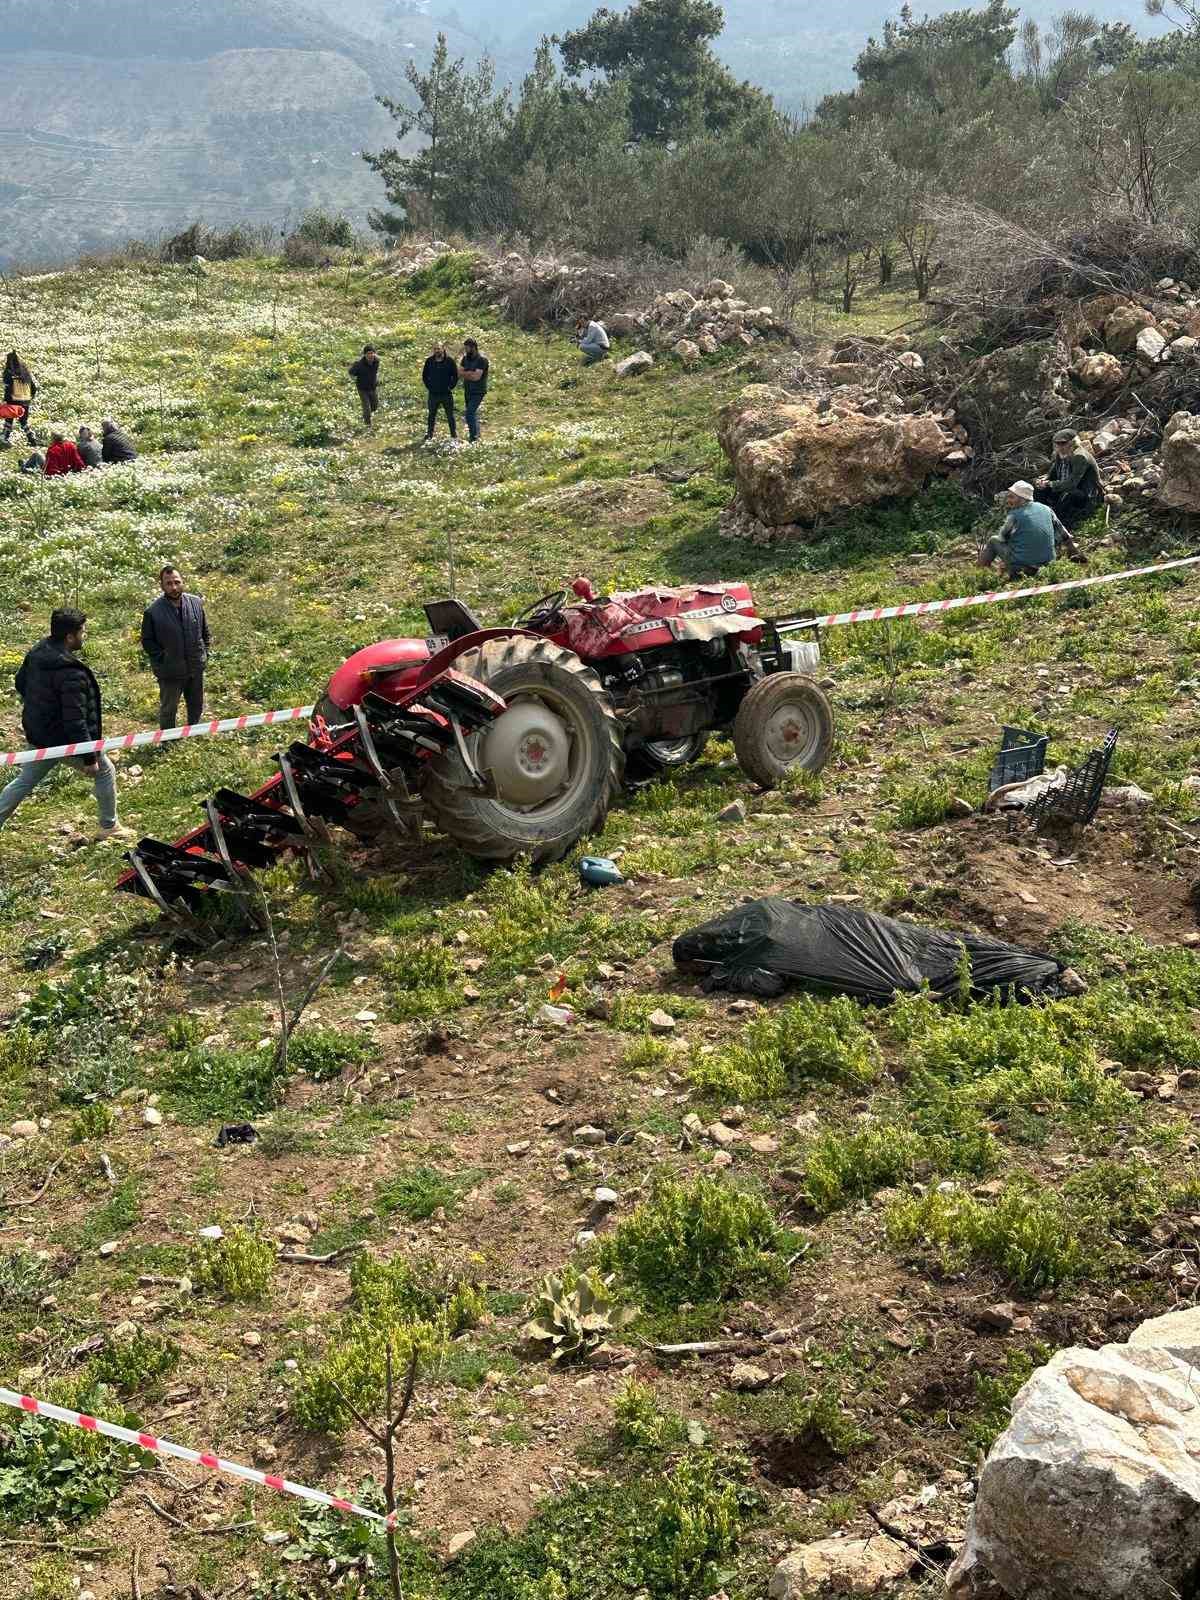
473, 369
61, 705
440, 377
176, 639
365, 373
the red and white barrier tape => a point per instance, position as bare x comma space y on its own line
927, 608
133, 741
837, 619
198, 1458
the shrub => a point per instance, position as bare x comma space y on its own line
922, 805
1029, 1236
640, 1424
392, 1311
850, 1166
573, 1314
224, 1085
663, 1536
239, 1266
804, 1418
129, 1365
183, 1032
53, 1473
417, 1194
323, 1053
420, 976
93, 1122
24, 1278
808, 1040
695, 1241
995, 1393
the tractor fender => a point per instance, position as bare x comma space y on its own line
449, 654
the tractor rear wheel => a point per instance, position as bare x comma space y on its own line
784, 722
555, 756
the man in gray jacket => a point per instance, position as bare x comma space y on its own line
175, 637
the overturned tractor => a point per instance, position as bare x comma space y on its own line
513, 741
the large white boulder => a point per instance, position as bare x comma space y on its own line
1180, 486
641, 361
1093, 1490
794, 463
1178, 1332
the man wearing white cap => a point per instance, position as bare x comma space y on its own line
1026, 542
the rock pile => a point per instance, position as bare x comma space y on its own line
690, 322
1093, 1490
700, 322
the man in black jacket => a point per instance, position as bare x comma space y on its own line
61, 706
440, 377
365, 373
115, 445
175, 637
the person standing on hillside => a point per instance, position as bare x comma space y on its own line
365, 373
175, 636
440, 377
61, 705
115, 445
19, 390
1072, 487
473, 369
62, 456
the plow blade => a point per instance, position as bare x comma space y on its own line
364, 776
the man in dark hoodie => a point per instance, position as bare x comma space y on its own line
61, 705
365, 373
115, 446
440, 377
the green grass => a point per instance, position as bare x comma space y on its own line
1028, 1236
695, 1241
808, 1040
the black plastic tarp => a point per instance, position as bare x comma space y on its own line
762, 947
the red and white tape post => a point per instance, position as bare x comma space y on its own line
134, 741
928, 608
198, 1458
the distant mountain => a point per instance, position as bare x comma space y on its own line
138, 116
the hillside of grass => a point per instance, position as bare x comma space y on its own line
877, 1180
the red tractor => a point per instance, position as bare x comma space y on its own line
516, 740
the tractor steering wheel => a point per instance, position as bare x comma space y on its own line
542, 613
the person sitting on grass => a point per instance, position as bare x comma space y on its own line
115, 445
62, 456
592, 339
1072, 487
1026, 542
89, 446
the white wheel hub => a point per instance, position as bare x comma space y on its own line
528, 752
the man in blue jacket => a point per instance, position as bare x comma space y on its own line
176, 639
1026, 542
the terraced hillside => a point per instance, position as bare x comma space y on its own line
913, 1203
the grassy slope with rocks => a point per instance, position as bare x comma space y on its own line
1065, 1131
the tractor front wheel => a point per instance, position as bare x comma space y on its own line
555, 756
785, 722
